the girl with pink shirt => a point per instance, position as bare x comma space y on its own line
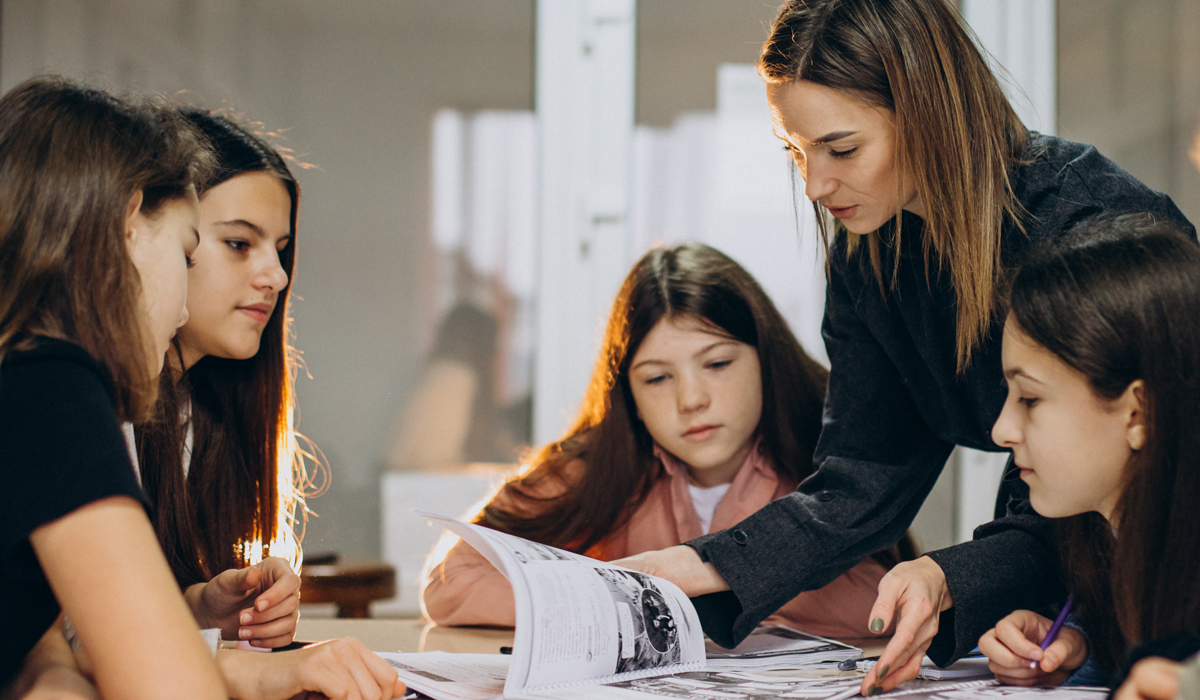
702, 409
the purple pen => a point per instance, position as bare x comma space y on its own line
1058, 623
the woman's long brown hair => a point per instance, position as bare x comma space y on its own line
1119, 306
246, 477
956, 134
71, 158
689, 281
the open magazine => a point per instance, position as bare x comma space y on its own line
592, 623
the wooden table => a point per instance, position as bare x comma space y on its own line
416, 635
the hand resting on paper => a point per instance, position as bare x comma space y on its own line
259, 603
1153, 678
1014, 644
337, 669
682, 566
913, 594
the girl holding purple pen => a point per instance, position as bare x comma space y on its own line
1101, 354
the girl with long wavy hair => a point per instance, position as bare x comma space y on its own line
929, 191
1102, 357
221, 460
702, 409
97, 220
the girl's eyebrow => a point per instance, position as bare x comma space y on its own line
242, 222
1015, 372
706, 348
833, 136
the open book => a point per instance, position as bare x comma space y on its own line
580, 621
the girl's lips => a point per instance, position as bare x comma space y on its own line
258, 312
700, 433
843, 212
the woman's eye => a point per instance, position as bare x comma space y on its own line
1028, 401
843, 154
720, 364
657, 379
190, 261
238, 245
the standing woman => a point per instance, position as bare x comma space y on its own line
97, 220
902, 134
220, 458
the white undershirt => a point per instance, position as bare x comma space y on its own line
705, 501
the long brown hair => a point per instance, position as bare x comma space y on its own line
71, 158
1118, 307
956, 134
244, 486
688, 281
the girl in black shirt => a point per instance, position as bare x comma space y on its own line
97, 218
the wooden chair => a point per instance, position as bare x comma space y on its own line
352, 584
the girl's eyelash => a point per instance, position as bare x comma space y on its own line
237, 245
655, 380
842, 154
1028, 401
190, 261
719, 364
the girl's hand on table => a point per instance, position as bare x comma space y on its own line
1154, 678
1013, 645
259, 603
340, 669
916, 591
682, 566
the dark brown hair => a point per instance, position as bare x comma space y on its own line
71, 158
1119, 306
245, 481
688, 281
956, 134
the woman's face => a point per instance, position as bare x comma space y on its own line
1070, 445
845, 151
700, 396
235, 283
160, 246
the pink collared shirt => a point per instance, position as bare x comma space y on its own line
464, 589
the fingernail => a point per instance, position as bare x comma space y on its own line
877, 625
246, 618
245, 633
876, 690
870, 691
261, 605
882, 672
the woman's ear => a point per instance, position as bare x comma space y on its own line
133, 211
1133, 401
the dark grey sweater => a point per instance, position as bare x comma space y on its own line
896, 407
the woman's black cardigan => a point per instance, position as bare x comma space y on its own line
896, 407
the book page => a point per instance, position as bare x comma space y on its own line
581, 619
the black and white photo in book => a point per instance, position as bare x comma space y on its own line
648, 634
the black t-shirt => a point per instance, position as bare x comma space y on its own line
61, 448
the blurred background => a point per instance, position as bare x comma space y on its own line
478, 177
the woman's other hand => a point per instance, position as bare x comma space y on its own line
339, 669
915, 592
259, 603
1154, 678
682, 566
1015, 655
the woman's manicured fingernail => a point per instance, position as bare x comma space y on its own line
882, 672
877, 625
876, 690
245, 632
870, 691
246, 618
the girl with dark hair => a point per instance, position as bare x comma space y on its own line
701, 410
1102, 357
905, 138
97, 220
220, 458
